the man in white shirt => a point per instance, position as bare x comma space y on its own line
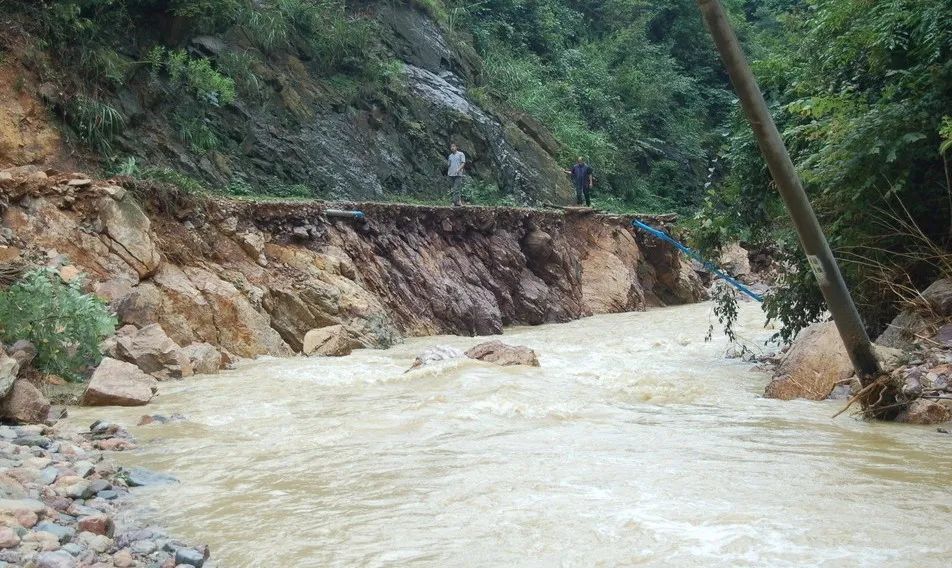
456, 162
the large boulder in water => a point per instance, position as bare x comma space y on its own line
205, 359
813, 366
502, 354
116, 383
330, 341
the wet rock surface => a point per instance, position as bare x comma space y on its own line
332, 341
64, 504
814, 365
499, 353
434, 355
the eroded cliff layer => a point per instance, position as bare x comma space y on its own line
254, 277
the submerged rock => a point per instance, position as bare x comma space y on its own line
189, 557
435, 354
502, 354
141, 477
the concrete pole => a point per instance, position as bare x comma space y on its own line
818, 252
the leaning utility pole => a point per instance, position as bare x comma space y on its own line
815, 246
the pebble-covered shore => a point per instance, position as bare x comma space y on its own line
64, 504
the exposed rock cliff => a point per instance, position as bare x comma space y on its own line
254, 278
301, 126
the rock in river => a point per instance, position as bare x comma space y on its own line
816, 362
436, 354
331, 341
140, 477
502, 354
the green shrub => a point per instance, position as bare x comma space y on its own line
267, 29
194, 73
65, 324
337, 40
197, 133
95, 122
185, 183
480, 192
240, 66
208, 15
128, 167
112, 66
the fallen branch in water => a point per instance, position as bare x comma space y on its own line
881, 398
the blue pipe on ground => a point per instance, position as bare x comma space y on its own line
659, 234
355, 215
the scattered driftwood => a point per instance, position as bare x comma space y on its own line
882, 399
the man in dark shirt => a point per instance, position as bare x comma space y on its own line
582, 179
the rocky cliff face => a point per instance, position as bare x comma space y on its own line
301, 127
254, 278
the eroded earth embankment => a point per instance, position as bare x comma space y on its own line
253, 278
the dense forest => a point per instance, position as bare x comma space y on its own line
862, 92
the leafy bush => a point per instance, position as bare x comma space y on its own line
65, 324
337, 40
95, 122
123, 167
197, 133
859, 91
241, 188
194, 73
480, 192
183, 182
240, 66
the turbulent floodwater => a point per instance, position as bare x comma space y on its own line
635, 444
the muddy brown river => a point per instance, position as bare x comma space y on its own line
635, 444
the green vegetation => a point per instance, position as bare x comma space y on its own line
95, 122
632, 85
860, 92
478, 192
65, 324
109, 44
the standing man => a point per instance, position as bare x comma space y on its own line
583, 180
456, 162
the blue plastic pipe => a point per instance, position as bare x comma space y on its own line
661, 235
356, 215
